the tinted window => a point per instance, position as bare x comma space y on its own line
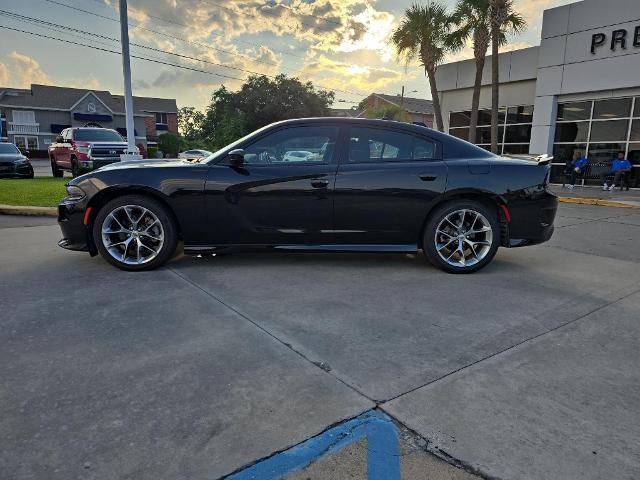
378, 145
616, 108
315, 142
97, 135
8, 148
572, 132
615, 130
523, 114
574, 111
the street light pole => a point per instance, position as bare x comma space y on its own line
132, 151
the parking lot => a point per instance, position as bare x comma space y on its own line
527, 369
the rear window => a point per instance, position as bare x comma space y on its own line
97, 135
8, 148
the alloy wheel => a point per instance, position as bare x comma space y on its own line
132, 234
463, 238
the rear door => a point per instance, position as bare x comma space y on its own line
385, 184
275, 198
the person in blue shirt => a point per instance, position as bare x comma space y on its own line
619, 166
577, 165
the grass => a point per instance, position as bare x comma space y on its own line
39, 192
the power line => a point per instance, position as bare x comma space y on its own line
146, 47
152, 60
175, 37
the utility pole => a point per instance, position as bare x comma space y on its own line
132, 151
402, 97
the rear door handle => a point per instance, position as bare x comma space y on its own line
319, 183
428, 177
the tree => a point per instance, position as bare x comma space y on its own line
423, 34
169, 143
259, 102
503, 19
387, 112
473, 22
190, 123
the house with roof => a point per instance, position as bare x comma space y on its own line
419, 110
32, 118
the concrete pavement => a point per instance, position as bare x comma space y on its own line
212, 363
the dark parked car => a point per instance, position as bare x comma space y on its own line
368, 185
13, 163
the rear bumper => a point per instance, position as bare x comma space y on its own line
532, 218
75, 235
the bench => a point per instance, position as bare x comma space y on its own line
594, 171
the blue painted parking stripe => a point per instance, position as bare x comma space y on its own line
383, 456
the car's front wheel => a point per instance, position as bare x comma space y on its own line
462, 236
135, 232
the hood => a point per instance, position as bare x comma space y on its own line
8, 157
148, 163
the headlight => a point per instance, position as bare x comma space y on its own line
84, 150
74, 193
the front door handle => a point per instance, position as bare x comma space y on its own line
319, 183
428, 177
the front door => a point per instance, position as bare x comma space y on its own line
385, 186
281, 195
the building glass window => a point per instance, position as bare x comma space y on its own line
615, 108
572, 132
514, 128
574, 111
608, 129
161, 118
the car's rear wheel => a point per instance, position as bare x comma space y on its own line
135, 232
56, 172
462, 236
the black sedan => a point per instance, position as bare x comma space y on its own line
13, 163
362, 186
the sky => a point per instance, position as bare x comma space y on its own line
341, 45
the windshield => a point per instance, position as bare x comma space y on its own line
8, 148
97, 135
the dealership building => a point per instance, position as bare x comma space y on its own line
578, 91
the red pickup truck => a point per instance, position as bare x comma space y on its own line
83, 149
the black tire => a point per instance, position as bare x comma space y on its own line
429, 240
57, 173
163, 215
75, 169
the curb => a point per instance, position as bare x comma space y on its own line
26, 210
597, 201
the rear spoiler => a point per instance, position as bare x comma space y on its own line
539, 159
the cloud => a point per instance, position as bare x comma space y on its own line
344, 76
21, 71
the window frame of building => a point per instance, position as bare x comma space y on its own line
162, 116
25, 141
503, 125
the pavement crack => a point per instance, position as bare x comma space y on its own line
318, 364
514, 346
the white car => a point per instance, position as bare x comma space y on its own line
297, 156
194, 154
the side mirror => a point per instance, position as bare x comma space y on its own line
59, 139
236, 157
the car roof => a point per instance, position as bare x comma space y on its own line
454, 147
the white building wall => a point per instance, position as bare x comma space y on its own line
567, 66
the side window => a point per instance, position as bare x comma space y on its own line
379, 145
67, 134
312, 144
423, 149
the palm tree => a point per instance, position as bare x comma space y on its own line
423, 35
504, 19
473, 22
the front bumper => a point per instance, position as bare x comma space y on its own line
92, 164
75, 235
13, 170
532, 218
